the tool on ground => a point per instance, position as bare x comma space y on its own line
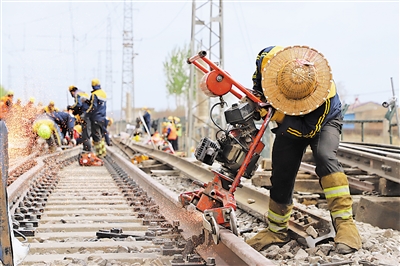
89, 159
237, 148
337, 263
117, 233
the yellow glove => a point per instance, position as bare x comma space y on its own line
278, 116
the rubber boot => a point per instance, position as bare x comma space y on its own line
103, 150
337, 193
97, 148
277, 231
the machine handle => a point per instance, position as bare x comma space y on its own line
202, 55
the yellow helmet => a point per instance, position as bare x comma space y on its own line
78, 129
10, 93
72, 88
44, 131
95, 82
32, 99
51, 103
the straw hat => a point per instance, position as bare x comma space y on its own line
297, 80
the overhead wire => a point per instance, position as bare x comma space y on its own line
246, 39
168, 25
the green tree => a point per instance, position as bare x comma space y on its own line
2, 91
177, 72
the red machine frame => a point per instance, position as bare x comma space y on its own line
217, 203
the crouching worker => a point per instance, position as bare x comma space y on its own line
66, 122
47, 129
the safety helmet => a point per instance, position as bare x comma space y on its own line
51, 103
72, 88
95, 82
10, 93
32, 99
78, 129
44, 131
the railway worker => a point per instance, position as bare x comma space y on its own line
50, 108
45, 127
6, 104
97, 115
79, 108
65, 121
298, 81
171, 133
178, 127
78, 133
147, 120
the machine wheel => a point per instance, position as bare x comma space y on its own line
233, 222
215, 230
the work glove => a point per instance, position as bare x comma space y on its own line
64, 141
277, 116
73, 142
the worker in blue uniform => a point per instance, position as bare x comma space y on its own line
66, 123
97, 115
81, 104
297, 82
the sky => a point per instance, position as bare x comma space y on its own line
46, 46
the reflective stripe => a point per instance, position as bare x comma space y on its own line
275, 228
272, 216
336, 191
294, 132
344, 214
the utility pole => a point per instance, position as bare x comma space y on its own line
108, 81
127, 92
73, 46
206, 34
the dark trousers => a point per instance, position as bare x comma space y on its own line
97, 130
86, 132
287, 154
174, 143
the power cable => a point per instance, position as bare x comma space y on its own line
169, 24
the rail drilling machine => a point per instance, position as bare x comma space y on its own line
237, 148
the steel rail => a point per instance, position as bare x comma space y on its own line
385, 167
395, 154
254, 202
230, 251
258, 206
353, 182
376, 146
17, 190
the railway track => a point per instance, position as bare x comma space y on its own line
111, 214
95, 215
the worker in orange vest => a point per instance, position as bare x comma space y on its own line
6, 105
171, 133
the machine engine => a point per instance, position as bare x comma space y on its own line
232, 145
